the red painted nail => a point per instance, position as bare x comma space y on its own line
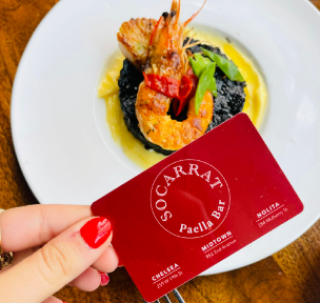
104, 278
96, 231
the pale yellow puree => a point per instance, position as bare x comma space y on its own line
255, 104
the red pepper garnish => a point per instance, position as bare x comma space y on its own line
188, 88
165, 85
182, 91
185, 87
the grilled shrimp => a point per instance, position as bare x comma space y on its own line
166, 57
134, 37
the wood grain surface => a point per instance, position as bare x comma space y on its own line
292, 275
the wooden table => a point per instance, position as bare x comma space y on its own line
291, 275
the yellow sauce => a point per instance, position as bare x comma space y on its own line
255, 104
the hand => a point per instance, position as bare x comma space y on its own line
53, 245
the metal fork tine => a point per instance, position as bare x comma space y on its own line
178, 296
167, 299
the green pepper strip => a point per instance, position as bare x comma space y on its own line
227, 66
206, 82
198, 64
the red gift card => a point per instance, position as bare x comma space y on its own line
197, 207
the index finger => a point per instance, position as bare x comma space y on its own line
34, 225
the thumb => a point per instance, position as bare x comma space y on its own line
58, 262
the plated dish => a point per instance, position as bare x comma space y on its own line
62, 140
172, 84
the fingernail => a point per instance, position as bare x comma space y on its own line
104, 278
96, 231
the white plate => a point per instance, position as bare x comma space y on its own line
60, 134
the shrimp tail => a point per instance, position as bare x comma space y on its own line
184, 24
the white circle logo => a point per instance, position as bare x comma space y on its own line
190, 198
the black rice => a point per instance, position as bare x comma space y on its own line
229, 102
